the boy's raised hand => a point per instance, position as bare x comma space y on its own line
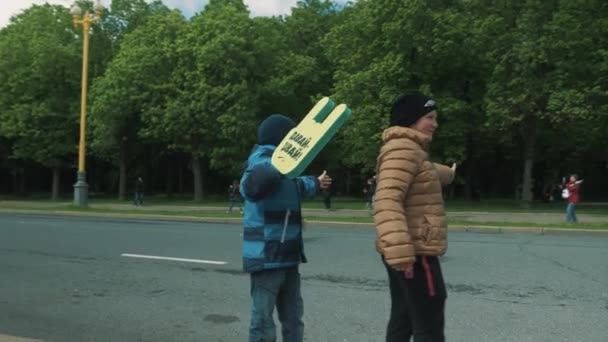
324, 180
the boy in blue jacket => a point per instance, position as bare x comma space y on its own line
272, 238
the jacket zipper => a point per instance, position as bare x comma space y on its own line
285, 225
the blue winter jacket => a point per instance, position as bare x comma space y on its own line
272, 236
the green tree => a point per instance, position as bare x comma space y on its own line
124, 16
39, 87
301, 70
211, 114
382, 49
137, 79
543, 77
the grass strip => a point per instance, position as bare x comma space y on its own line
338, 218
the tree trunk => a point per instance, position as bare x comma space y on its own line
529, 140
15, 181
198, 177
468, 184
23, 183
122, 175
451, 192
169, 183
348, 182
148, 183
180, 175
56, 183
517, 186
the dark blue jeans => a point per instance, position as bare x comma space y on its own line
570, 214
235, 202
280, 288
138, 198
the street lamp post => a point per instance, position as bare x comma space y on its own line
81, 187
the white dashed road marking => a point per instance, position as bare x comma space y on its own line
198, 261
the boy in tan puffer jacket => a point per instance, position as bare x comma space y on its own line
411, 222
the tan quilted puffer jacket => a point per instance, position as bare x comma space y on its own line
409, 213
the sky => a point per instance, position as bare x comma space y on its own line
9, 8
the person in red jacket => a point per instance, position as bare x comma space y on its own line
571, 194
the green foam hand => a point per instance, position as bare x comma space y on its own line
302, 144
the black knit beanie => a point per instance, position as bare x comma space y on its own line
409, 108
273, 129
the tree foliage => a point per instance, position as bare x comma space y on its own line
39, 87
521, 86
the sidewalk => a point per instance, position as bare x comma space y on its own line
540, 218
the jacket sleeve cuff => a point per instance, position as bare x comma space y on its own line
308, 186
446, 174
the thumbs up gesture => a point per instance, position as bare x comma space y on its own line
324, 180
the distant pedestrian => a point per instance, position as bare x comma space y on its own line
138, 195
370, 192
570, 192
234, 191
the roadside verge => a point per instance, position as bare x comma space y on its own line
474, 227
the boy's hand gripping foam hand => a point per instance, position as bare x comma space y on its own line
302, 144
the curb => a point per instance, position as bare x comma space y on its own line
533, 230
127, 216
228, 220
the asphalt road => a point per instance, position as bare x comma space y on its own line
66, 279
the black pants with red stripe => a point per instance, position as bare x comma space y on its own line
417, 303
